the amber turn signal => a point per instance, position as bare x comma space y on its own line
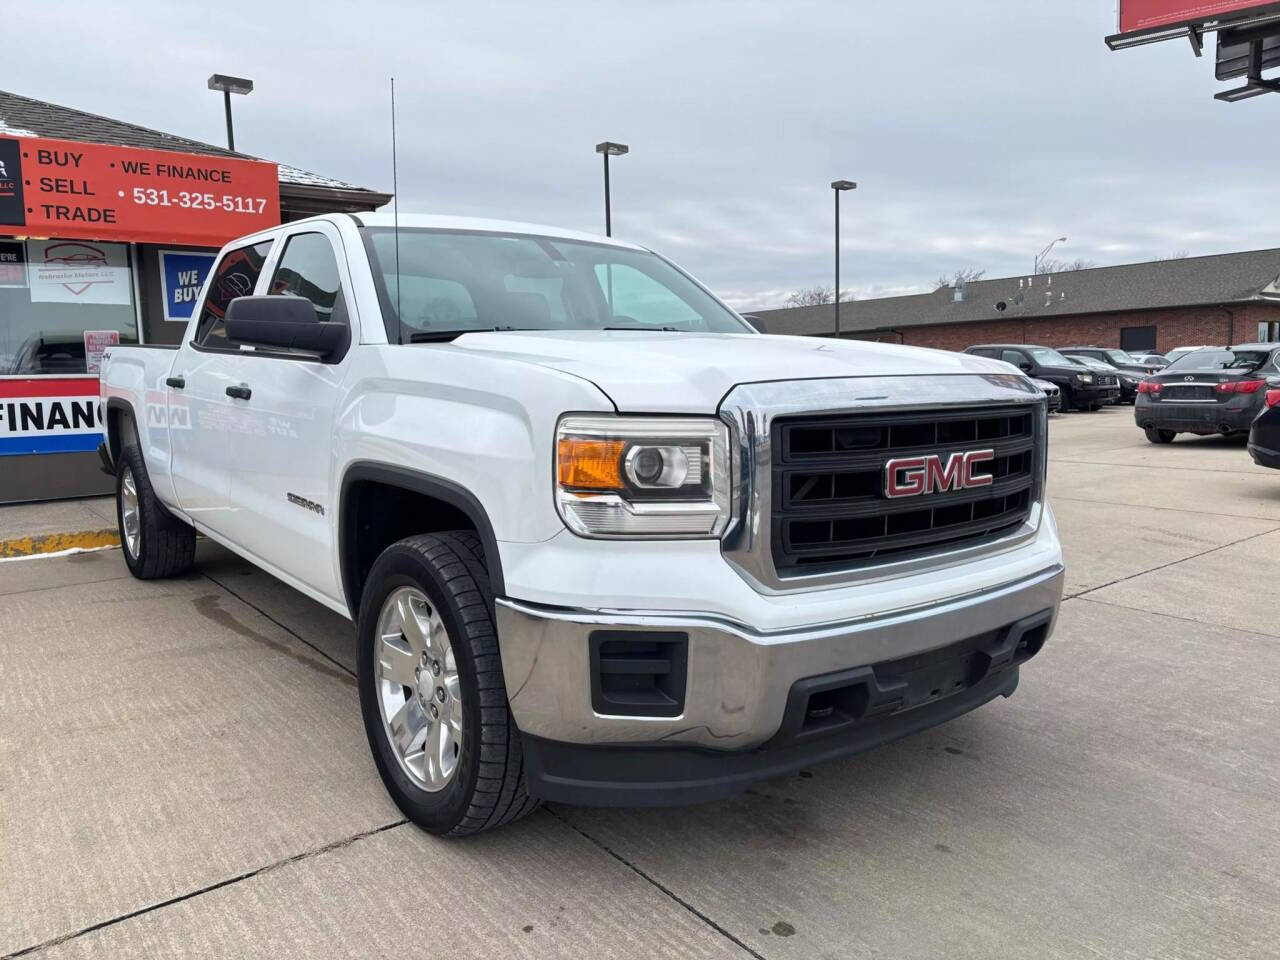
589, 464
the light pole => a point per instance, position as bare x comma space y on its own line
608, 149
838, 187
1035, 270
228, 86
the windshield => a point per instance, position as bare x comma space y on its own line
1091, 362
1050, 358
451, 282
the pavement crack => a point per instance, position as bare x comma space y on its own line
247, 875
1147, 506
283, 626
1173, 616
667, 891
1171, 563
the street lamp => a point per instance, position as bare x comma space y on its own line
228, 86
608, 149
1035, 270
838, 187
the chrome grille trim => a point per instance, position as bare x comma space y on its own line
751, 409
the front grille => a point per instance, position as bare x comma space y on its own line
829, 504
1193, 391
1106, 380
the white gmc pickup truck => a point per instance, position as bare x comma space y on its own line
603, 542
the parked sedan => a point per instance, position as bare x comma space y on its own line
1207, 392
1155, 361
1264, 435
1127, 379
1052, 392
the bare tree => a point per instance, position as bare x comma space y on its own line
813, 296
965, 274
1176, 255
1064, 266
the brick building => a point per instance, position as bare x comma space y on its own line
1228, 298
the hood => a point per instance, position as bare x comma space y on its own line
659, 372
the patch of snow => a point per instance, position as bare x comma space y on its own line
6, 130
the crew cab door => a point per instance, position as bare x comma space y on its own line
280, 469
204, 423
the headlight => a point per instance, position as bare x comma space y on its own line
1085, 377
643, 477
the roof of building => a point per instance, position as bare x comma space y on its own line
1225, 278
24, 117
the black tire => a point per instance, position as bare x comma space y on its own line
166, 547
487, 787
1156, 435
1068, 400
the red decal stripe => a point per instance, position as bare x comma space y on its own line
49, 387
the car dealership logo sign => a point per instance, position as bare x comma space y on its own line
914, 476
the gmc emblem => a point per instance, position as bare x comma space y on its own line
913, 476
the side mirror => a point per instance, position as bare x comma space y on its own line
287, 322
1025, 367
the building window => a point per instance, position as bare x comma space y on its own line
1141, 339
60, 290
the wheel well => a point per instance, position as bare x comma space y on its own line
381, 505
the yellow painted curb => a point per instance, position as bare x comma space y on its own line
57, 542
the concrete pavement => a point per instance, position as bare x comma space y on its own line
183, 773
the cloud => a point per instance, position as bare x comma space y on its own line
977, 131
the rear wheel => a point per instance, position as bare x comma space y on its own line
155, 542
432, 693
1156, 435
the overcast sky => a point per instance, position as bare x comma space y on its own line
977, 131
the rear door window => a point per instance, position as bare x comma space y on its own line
236, 276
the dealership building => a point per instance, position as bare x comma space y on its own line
1228, 298
107, 232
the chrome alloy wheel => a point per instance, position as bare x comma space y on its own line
419, 695
130, 518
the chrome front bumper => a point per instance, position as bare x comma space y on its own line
738, 679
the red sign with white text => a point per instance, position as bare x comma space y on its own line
62, 188
1148, 14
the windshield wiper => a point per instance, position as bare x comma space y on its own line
666, 329
439, 336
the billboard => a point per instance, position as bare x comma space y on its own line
1142, 15
93, 191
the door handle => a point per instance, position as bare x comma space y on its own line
240, 392
176, 382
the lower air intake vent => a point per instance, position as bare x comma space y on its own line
638, 674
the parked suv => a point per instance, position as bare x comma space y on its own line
1120, 359
1127, 379
1207, 391
1082, 388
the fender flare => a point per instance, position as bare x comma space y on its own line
429, 485
114, 443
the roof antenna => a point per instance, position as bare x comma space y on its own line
395, 210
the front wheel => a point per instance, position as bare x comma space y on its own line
432, 693
1156, 435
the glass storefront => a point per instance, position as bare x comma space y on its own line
52, 293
